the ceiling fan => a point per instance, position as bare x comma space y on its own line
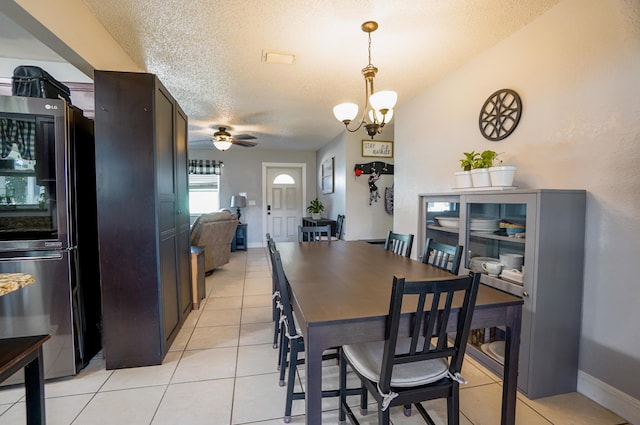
223, 140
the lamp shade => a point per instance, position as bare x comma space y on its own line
223, 146
238, 201
385, 99
345, 111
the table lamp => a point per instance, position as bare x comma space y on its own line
238, 202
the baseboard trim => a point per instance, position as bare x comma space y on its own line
613, 399
255, 245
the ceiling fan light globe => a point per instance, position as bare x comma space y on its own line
385, 99
345, 112
222, 145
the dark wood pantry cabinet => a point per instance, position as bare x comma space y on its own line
143, 217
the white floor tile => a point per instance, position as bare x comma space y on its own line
258, 398
220, 317
137, 377
257, 315
196, 403
256, 333
214, 337
131, 407
89, 380
200, 365
256, 360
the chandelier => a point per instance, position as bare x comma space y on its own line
222, 139
378, 106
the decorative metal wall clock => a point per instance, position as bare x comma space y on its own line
500, 114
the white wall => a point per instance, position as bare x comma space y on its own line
334, 203
577, 69
365, 221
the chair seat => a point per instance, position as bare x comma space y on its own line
367, 359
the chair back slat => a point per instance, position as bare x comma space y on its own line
339, 226
282, 285
398, 243
431, 312
314, 233
442, 256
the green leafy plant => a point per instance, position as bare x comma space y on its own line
485, 159
315, 207
467, 162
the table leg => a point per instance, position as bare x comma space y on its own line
313, 390
34, 390
512, 349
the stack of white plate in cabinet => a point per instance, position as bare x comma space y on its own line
484, 225
494, 349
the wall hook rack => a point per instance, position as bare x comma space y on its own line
378, 166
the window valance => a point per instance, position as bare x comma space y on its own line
204, 166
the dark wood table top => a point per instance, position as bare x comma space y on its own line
14, 350
329, 281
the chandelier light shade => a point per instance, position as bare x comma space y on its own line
379, 107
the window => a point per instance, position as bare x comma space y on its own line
204, 193
284, 179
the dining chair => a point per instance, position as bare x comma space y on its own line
443, 256
399, 243
275, 297
292, 344
339, 226
404, 370
314, 233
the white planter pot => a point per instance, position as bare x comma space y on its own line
503, 175
480, 177
316, 216
463, 179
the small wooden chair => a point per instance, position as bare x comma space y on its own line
314, 233
404, 370
442, 256
399, 243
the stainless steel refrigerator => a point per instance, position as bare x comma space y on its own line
48, 229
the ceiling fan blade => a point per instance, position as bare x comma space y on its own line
245, 143
244, 137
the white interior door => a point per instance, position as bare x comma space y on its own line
284, 202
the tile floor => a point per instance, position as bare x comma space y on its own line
221, 370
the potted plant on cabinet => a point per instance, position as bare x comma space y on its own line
502, 175
480, 168
463, 178
315, 208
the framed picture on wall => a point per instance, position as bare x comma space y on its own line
327, 175
377, 148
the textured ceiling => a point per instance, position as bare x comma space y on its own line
208, 54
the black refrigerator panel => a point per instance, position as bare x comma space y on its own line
44, 307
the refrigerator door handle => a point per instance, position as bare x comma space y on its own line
31, 255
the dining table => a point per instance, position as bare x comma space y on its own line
340, 293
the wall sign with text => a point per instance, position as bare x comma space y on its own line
377, 148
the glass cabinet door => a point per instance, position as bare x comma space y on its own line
496, 245
441, 221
